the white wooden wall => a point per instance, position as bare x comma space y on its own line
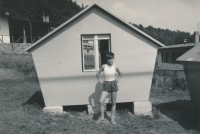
59, 65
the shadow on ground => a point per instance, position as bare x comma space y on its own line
119, 106
83, 108
180, 111
36, 98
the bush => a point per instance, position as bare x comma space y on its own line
20, 62
169, 79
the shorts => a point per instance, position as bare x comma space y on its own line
110, 86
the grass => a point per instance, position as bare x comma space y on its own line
21, 62
21, 105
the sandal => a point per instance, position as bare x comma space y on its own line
113, 122
99, 121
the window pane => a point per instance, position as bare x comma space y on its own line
88, 54
94, 48
87, 37
103, 37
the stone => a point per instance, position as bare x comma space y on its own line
54, 109
143, 108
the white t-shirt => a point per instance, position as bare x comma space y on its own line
109, 73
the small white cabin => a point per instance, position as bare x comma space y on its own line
67, 59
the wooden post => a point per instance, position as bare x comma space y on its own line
96, 52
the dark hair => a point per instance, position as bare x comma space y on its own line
110, 55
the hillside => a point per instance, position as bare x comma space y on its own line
167, 36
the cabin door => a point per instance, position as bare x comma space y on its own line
104, 47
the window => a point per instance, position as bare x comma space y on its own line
162, 57
174, 57
169, 58
94, 48
166, 56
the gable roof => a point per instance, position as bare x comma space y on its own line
192, 55
83, 11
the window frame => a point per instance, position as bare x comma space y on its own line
96, 68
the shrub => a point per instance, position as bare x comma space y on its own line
20, 62
169, 79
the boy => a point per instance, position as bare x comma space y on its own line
109, 86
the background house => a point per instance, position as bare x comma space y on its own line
67, 59
21, 29
167, 55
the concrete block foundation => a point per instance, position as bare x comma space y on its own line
142, 108
55, 109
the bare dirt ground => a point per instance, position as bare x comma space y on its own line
21, 104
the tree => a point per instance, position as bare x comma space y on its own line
166, 36
59, 11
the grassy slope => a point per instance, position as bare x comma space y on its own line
21, 112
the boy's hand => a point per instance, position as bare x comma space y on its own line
102, 82
116, 81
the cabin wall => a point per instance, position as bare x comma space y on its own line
58, 61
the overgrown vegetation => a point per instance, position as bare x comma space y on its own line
20, 62
169, 79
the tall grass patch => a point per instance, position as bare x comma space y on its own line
20, 62
169, 79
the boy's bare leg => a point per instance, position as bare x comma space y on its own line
113, 109
102, 102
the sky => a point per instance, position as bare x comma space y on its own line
182, 15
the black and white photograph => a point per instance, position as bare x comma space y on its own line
99, 66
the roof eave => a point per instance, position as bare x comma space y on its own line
175, 47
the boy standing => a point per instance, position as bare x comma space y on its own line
109, 86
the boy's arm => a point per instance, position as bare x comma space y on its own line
120, 74
98, 73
